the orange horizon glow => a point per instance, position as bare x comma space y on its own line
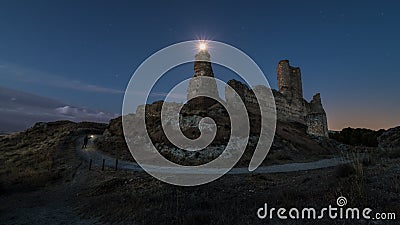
369, 119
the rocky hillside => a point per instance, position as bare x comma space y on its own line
37, 156
390, 138
368, 138
291, 140
357, 136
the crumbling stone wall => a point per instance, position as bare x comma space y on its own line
289, 101
316, 117
316, 124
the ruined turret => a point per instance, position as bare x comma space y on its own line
198, 85
316, 119
202, 64
291, 105
289, 80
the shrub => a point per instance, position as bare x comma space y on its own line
357, 136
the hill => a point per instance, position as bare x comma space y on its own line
291, 142
45, 181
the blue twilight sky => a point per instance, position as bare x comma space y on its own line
83, 53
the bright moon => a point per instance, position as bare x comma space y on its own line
203, 46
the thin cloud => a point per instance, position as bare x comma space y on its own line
21, 74
20, 110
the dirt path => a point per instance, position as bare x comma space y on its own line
97, 156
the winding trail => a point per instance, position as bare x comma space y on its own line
97, 156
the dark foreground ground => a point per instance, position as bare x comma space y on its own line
48, 183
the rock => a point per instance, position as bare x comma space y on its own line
390, 138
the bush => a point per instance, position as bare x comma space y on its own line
357, 136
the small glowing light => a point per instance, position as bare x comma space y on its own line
202, 46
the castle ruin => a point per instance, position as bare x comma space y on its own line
289, 101
290, 104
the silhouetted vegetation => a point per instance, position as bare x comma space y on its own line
357, 136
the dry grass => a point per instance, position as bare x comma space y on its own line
121, 197
234, 199
35, 157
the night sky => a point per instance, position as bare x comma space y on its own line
84, 53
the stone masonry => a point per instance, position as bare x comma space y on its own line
198, 85
289, 101
290, 104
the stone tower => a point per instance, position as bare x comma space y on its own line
289, 80
197, 85
316, 119
291, 106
